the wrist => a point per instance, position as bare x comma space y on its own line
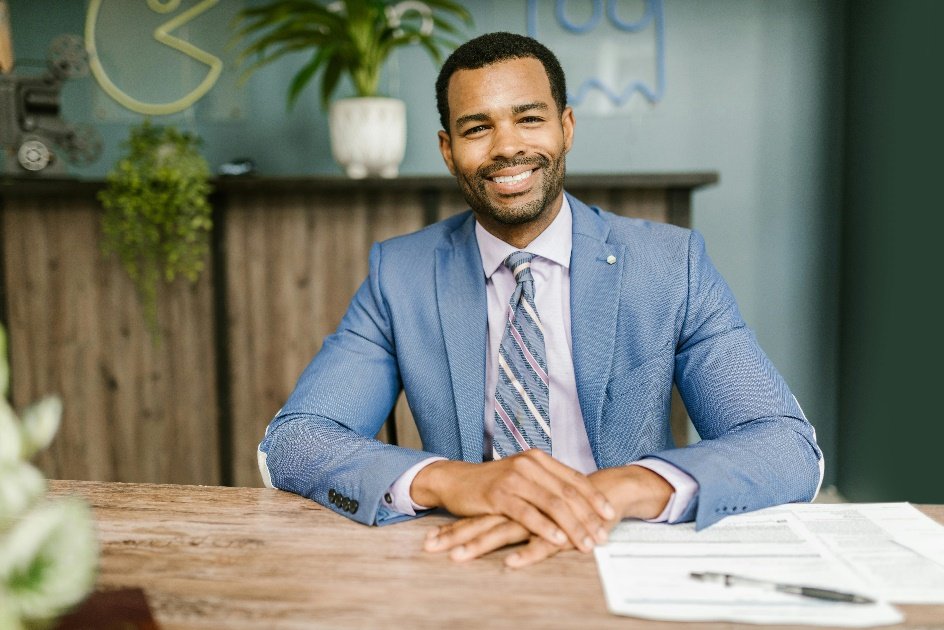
430, 485
634, 491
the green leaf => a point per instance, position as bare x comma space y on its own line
152, 195
356, 33
306, 73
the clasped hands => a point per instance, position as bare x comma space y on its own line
532, 498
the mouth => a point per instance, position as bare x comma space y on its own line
512, 181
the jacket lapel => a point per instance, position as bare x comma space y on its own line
594, 301
460, 295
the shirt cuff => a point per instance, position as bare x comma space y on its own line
397, 497
686, 488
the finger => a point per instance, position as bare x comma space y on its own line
589, 505
580, 483
536, 550
535, 520
460, 531
506, 533
561, 503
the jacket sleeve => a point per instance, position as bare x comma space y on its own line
321, 443
757, 448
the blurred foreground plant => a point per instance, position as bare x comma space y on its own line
48, 551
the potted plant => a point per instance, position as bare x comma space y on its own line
352, 38
157, 214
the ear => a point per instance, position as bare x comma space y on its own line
445, 147
567, 123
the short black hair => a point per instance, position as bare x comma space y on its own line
491, 48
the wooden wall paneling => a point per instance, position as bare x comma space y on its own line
187, 391
46, 354
76, 330
680, 206
287, 289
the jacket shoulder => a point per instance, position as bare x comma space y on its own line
427, 238
633, 231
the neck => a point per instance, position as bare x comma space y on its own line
521, 235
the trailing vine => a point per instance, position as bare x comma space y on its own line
157, 217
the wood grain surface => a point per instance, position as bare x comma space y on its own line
132, 410
214, 557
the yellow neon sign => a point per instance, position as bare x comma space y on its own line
162, 35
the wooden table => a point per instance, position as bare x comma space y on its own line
218, 557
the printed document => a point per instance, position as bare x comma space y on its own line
890, 552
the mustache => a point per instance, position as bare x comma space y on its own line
491, 169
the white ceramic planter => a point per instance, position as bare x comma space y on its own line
368, 135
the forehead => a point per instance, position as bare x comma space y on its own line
498, 86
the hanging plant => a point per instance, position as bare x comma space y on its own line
157, 216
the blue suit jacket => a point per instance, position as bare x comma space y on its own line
661, 313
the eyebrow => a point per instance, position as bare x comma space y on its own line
461, 120
515, 109
518, 109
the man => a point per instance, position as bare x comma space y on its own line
537, 340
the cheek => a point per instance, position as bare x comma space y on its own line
466, 160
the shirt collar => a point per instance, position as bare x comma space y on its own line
553, 244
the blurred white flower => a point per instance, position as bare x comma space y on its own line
8, 618
20, 486
48, 550
10, 440
4, 366
40, 423
48, 560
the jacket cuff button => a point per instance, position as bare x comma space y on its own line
331, 495
388, 499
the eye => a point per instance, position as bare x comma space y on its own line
472, 131
533, 120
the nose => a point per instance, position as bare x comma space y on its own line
507, 141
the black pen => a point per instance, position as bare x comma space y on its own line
793, 589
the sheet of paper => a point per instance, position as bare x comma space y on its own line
645, 573
896, 550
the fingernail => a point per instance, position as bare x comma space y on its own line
459, 552
587, 543
608, 511
432, 534
513, 559
602, 535
559, 537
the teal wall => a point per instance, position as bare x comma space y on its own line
892, 345
752, 91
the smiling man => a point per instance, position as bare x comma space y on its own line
537, 340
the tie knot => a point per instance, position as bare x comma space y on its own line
520, 265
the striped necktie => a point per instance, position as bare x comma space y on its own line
521, 398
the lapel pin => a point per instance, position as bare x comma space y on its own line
611, 259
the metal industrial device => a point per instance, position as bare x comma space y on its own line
33, 135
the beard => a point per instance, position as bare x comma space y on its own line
473, 189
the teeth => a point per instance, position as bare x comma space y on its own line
513, 179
